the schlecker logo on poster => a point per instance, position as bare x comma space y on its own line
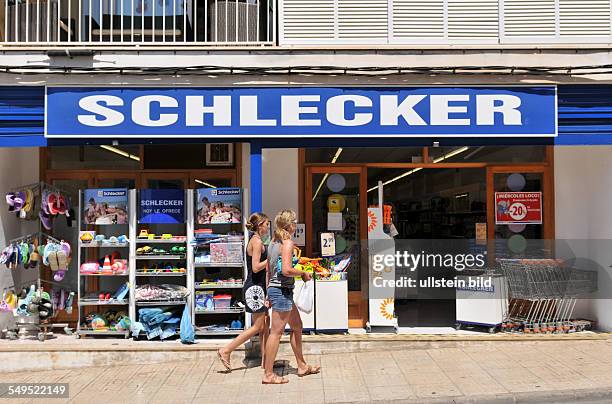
302, 112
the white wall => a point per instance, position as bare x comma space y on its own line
583, 222
280, 181
18, 166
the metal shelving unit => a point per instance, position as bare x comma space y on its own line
202, 319
218, 333
176, 302
137, 277
160, 257
88, 252
161, 241
213, 286
231, 310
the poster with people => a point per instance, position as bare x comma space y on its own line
105, 206
219, 206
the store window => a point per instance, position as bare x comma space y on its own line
487, 154
432, 203
189, 156
452, 154
364, 155
94, 157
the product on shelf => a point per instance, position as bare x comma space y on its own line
204, 301
226, 253
110, 320
222, 301
162, 292
148, 250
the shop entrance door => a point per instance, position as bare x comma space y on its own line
513, 234
336, 203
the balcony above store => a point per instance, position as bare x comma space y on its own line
165, 23
298, 24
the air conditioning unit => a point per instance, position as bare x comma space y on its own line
223, 16
220, 154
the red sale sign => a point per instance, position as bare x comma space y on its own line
518, 207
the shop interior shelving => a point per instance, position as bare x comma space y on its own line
151, 268
91, 285
219, 278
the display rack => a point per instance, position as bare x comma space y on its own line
40, 236
218, 321
148, 268
92, 284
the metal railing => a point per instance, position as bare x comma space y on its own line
125, 22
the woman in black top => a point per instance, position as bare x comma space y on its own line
254, 289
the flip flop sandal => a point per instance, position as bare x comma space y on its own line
276, 380
51, 203
53, 261
66, 248
224, 362
4, 256
45, 219
61, 204
10, 200
25, 254
311, 371
68, 303
59, 275
62, 260
29, 201
19, 201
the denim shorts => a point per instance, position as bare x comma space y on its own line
281, 299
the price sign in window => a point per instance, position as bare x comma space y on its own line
328, 244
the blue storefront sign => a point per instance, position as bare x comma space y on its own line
162, 206
302, 112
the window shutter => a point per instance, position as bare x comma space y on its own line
468, 19
309, 21
584, 18
418, 19
363, 19
529, 18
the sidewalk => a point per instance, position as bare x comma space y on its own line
498, 372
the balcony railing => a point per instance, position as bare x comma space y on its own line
125, 22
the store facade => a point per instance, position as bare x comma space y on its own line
441, 154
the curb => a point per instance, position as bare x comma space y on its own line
570, 395
95, 345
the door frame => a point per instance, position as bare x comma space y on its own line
356, 299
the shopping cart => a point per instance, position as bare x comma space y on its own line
543, 295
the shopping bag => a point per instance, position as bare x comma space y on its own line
187, 330
305, 298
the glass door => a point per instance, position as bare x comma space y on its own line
335, 205
520, 213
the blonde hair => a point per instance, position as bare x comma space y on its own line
256, 220
282, 223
